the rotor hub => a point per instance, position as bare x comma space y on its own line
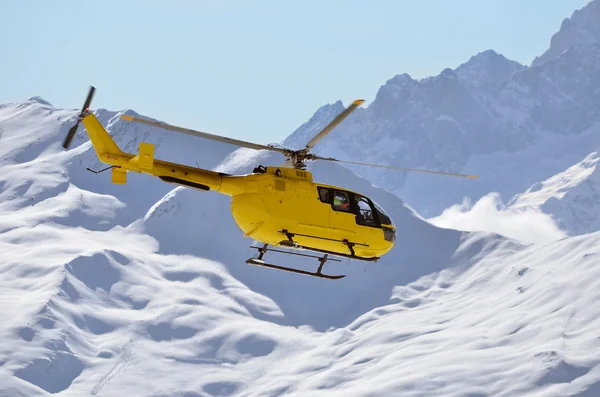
297, 158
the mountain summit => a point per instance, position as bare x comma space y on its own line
581, 28
487, 67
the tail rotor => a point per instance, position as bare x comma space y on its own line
84, 110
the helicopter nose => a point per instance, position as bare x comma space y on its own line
389, 235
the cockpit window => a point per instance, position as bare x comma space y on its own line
324, 195
383, 217
341, 201
364, 215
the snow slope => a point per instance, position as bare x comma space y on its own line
163, 305
33, 131
572, 197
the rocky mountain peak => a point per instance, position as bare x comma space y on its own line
487, 67
583, 27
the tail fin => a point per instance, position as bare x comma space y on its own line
102, 141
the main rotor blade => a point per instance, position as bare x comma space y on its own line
201, 134
88, 100
340, 117
397, 168
70, 135
73, 130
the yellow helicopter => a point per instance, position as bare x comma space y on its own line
278, 206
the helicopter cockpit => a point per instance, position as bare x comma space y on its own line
368, 212
389, 233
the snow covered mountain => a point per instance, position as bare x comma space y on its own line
141, 290
32, 132
490, 117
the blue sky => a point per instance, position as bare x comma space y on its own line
250, 69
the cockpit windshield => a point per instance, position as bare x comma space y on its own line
384, 218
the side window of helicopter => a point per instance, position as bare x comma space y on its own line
341, 201
324, 195
364, 215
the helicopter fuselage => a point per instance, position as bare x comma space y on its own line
276, 205
286, 209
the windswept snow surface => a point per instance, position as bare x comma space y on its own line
489, 213
572, 197
111, 291
567, 203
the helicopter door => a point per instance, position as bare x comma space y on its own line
342, 216
323, 209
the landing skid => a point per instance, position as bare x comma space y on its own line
322, 259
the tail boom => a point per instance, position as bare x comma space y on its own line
108, 152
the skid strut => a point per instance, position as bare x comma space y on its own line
349, 244
322, 259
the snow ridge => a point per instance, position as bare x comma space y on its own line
572, 197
